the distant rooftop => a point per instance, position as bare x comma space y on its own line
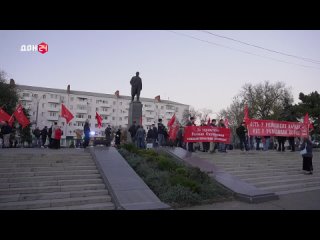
92, 94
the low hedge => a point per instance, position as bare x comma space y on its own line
173, 182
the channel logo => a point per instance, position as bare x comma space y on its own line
41, 48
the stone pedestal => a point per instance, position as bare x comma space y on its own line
135, 114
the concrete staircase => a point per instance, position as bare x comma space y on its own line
51, 180
279, 172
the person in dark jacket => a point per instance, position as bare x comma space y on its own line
6, 132
307, 157
190, 144
44, 134
150, 135
133, 130
281, 141
241, 132
161, 133
86, 131
50, 136
155, 135
108, 136
118, 138
37, 134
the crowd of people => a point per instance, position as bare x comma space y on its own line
157, 136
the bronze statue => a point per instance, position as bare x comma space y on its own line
136, 86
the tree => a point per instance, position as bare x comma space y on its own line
309, 104
266, 100
204, 114
8, 94
192, 112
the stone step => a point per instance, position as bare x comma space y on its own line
94, 206
20, 158
49, 183
38, 165
285, 187
298, 190
306, 179
275, 178
42, 169
50, 173
48, 178
49, 189
264, 174
266, 170
255, 167
34, 204
53, 195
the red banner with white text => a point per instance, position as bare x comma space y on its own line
206, 134
277, 128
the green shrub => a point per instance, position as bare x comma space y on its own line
172, 181
184, 181
182, 171
180, 196
166, 164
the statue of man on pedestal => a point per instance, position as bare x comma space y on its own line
136, 86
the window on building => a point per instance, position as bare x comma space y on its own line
97, 109
62, 123
25, 94
35, 95
120, 118
42, 114
43, 105
44, 96
114, 102
89, 116
113, 118
161, 107
113, 110
79, 115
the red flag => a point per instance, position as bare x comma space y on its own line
66, 113
6, 117
99, 120
208, 123
226, 123
21, 118
307, 121
172, 120
246, 118
173, 131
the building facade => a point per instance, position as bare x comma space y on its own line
44, 105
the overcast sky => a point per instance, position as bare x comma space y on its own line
176, 67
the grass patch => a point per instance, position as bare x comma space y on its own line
173, 182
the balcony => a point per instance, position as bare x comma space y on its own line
52, 118
81, 110
53, 100
149, 108
25, 98
54, 109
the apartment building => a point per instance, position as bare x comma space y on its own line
44, 106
